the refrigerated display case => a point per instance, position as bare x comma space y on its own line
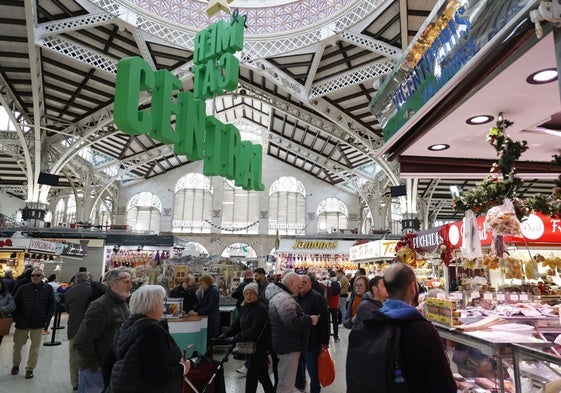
485, 359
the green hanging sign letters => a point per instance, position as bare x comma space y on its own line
195, 135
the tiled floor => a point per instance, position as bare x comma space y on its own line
51, 374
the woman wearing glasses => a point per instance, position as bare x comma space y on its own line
360, 287
147, 359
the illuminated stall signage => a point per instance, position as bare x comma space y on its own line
195, 135
315, 244
428, 240
536, 229
377, 249
457, 33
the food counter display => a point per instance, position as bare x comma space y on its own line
482, 347
189, 331
484, 360
539, 370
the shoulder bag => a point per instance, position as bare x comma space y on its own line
249, 347
5, 324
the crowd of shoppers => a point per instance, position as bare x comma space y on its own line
120, 343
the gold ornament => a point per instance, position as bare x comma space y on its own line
406, 255
216, 5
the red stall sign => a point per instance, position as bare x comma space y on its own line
536, 229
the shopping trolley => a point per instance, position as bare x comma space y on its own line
206, 375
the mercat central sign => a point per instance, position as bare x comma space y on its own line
194, 134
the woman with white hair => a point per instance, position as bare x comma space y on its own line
147, 357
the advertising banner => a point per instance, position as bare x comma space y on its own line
537, 230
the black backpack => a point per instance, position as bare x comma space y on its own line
373, 359
335, 288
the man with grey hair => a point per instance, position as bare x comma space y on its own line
35, 305
76, 301
95, 334
289, 328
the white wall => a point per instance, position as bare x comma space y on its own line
9, 205
316, 190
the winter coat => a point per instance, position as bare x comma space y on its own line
189, 297
424, 363
76, 300
97, 330
366, 309
209, 306
289, 325
35, 305
7, 304
313, 303
349, 312
253, 323
262, 289
332, 300
147, 358
10, 284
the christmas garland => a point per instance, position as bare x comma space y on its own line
502, 182
232, 229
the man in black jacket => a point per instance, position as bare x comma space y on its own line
76, 301
97, 330
312, 303
187, 292
424, 367
35, 305
238, 292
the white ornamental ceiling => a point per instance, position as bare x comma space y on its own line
308, 71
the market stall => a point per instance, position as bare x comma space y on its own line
314, 255
531, 261
373, 256
17, 252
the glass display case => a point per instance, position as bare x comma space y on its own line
484, 360
538, 369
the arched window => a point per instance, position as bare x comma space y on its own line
60, 210
240, 209
101, 214
193, 204
367, 220
144, 211
287, 206
332, 215
71, 209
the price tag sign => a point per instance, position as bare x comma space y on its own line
457, 295
514, 297
488, 296
475, 295
500, 297
441, 295
523, 297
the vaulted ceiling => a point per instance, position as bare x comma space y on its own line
308, 72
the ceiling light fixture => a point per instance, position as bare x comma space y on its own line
542, 76
439, 147
479, 119
455, 191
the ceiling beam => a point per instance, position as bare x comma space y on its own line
468, 168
